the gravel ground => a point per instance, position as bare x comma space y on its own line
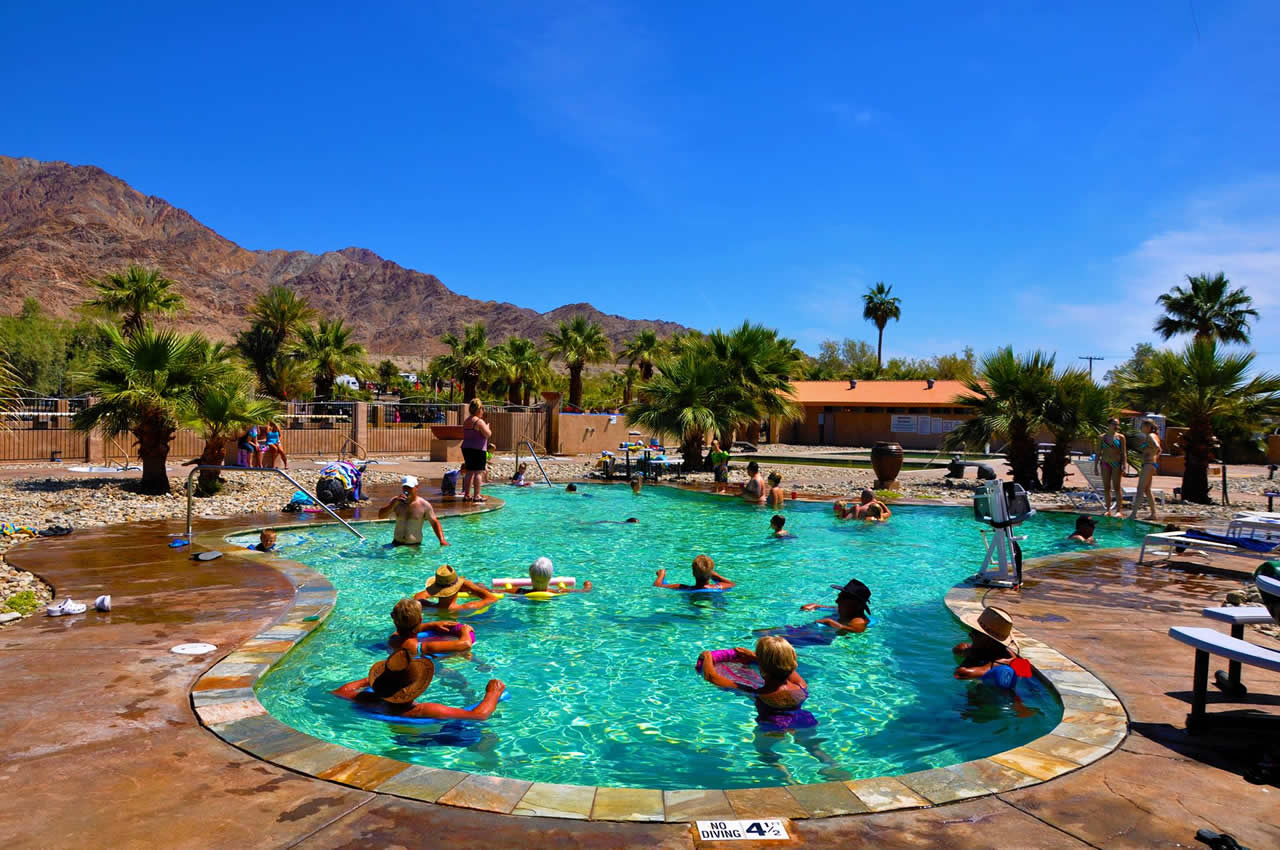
40, 501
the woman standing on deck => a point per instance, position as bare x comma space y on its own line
475, 443
1150, 466
1113, 456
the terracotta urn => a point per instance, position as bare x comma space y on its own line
886, 462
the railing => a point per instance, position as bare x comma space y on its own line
534, 455
286, 476
39, 428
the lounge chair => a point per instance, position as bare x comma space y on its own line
1206, 543
1089, 469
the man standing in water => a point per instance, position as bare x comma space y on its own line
411, 511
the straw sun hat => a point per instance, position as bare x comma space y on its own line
993, 622
401, 679
445, 583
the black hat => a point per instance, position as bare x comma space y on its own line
855, 589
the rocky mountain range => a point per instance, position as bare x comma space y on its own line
62, 224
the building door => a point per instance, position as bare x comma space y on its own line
822, 429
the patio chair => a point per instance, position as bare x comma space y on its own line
1204, 542
1091, 474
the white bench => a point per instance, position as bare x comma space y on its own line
1238, 616
1208, 642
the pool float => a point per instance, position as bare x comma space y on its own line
561, 582
367, 710
455, 631
740, 672
809, 634
1007, 675
700, 589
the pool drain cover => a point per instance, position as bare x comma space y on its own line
193, 648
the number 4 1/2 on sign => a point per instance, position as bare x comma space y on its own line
742, 830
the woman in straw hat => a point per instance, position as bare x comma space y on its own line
442, 591
394, 684
990, 655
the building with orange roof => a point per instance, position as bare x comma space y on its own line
917, 414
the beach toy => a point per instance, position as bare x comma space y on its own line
741, 672
178, 543
561, 582
540, 595
396, 718
455, 631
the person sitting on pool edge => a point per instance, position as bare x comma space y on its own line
517, 477
407, 616
988, 656
396, 682
266, 541
704, 577
540, 573
444, 588
754, 492
777, 524
1084, 530
853, 613
783, 692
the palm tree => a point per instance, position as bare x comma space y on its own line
524, 369
687, 399
1007, 400
641, 350
577, 342
470, 358
630, 376
134, 294
759, 364
219, 414
1204, 389
281, 313
10, 386
1207, 309
142, 383
879, 306
276, 318
1077, 408
328, 350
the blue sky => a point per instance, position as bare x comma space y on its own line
1024, 173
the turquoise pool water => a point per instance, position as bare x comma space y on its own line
603, 690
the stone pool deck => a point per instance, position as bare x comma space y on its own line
102, 742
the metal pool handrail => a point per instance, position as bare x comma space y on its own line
535, 460
286, 476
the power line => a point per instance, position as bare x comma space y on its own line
1091, 358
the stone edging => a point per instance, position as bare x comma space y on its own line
1094, 723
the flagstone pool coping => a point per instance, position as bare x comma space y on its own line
1094, 723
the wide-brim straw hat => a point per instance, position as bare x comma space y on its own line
445, 583
401, 678
995, 623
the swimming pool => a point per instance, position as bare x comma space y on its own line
603, 690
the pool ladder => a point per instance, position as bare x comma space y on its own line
533, 455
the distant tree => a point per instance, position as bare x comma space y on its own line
760, 365
135, 294
576, 343
524, 369
956, 367
1007, 400
219, 413
630, 376
1076, 409
1207, 309
282, 313
878, 307
329, 351
641, 351
275, 319
470, 359
387, 373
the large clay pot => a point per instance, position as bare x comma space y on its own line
886, 461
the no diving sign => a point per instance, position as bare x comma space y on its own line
742, 830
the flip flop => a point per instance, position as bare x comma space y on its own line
178, 543
211, 555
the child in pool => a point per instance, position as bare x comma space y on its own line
777, 524
407, 616
1084, 531
988, 649
776, 495
517, 479
704, 577
266, 541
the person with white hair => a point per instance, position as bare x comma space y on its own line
540, 573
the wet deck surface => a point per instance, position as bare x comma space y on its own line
101, 743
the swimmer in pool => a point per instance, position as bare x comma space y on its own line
777, 524
540, 573
636, 485
411, 512
853, 611
572, 488
776, 496
266, 541
407, 616
989, 648
755, 491
395, 683
441, 593
1084, 531
783, 691
704, 577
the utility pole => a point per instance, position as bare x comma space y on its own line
1091, 358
